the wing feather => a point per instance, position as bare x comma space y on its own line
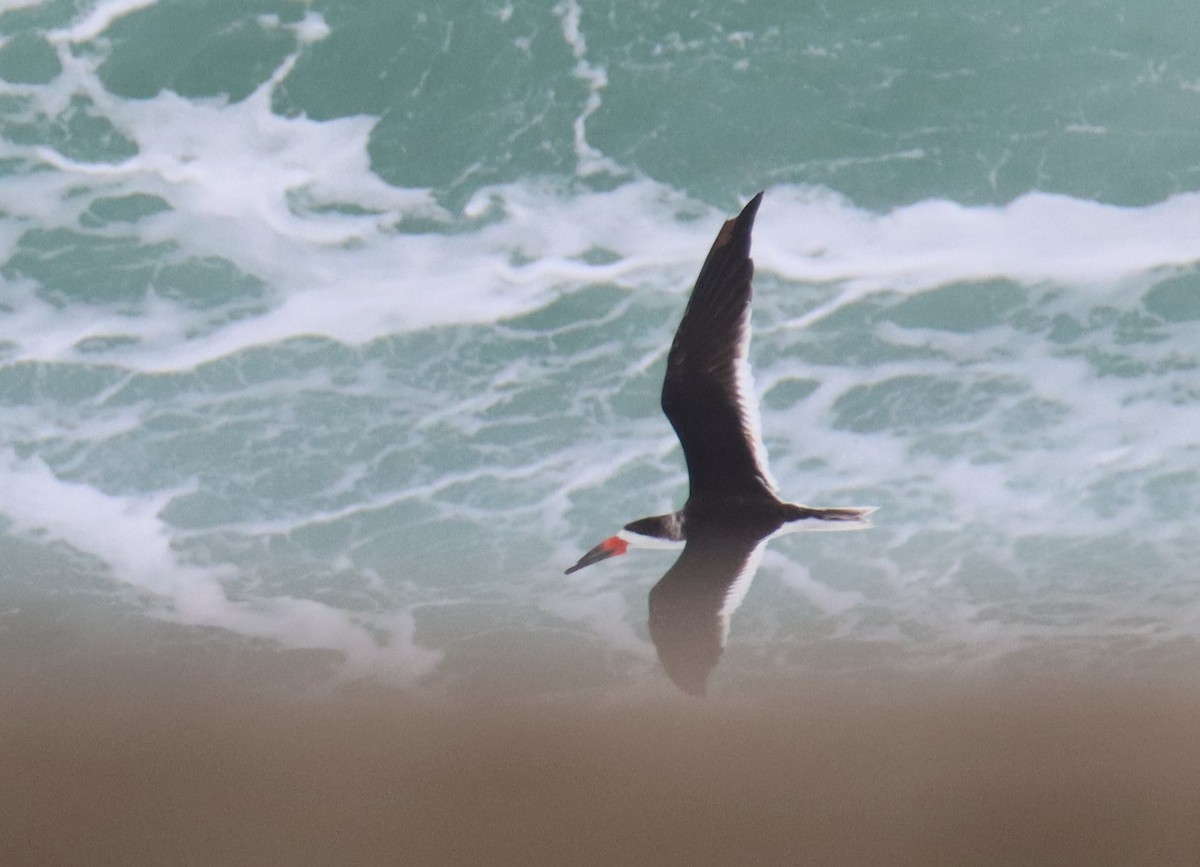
708, 393
691, 605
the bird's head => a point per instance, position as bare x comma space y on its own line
661, 531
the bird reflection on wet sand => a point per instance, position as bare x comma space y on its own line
733, 505
691, 605
116, 755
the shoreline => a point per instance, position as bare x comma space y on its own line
130, 757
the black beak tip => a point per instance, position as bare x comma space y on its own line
587, 560
601, 552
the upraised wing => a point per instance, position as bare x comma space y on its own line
708, 394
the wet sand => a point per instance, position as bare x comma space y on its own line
212, 758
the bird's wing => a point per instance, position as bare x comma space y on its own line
691, 605
708, 394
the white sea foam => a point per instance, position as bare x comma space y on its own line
8, 5
591, 161
828, 599
354, 278
1037, 238
294, 202
99, 19
311, 28
128, 537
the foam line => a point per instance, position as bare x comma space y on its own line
126, 534
98, 20
591, 161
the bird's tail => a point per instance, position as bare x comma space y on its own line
841, 518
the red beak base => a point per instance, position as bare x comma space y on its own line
610, 547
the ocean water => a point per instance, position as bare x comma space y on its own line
337, 328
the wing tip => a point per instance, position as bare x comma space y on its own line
740, 225
750, 211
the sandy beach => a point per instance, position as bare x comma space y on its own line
220, 756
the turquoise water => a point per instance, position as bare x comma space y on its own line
340, 325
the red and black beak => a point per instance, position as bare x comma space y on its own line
610, 547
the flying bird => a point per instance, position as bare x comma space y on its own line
733, 505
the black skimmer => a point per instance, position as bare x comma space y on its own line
733, 507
